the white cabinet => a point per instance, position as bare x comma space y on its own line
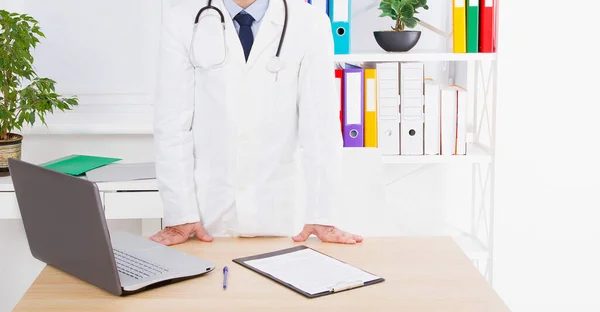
132, 205
8, 206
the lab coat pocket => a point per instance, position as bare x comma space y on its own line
287, 76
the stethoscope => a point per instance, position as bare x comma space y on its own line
274, 65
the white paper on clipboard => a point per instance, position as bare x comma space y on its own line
312, 271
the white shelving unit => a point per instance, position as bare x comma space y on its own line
413, 57
476, 154
477, 243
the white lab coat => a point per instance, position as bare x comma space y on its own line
227, 138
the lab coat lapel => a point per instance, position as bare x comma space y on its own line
269, 31
234, 46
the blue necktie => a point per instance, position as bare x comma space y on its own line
245, 21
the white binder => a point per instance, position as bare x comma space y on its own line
448, 119
432, 117
411, 109
388, 123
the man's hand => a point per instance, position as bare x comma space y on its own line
327, 234
178, 234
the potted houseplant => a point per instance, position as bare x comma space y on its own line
24, 96
402, 12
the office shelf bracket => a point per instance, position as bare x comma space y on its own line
482, 79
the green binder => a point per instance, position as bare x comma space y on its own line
76, 165
473, 26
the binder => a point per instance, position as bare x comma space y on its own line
77, 165
473, 26
338, 275
122, 172
432, 117
388, 99
321, 5
459, 26
370, 107
411, 109
461, 121
449, 99
340, 16
487, 27
353, 106
339, 83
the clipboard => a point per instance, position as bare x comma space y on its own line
336, 288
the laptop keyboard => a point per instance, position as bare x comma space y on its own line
136, 267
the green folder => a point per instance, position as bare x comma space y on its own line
76, 165
473, 26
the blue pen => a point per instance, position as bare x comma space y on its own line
225, 270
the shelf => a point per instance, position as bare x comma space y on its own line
475, 154
90, 129
413, 57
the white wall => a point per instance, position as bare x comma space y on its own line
379, 200
548, 209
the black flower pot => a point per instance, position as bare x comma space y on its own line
397, 41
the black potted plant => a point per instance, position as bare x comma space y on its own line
403, 13
24, 96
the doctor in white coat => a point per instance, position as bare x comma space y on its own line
234, 124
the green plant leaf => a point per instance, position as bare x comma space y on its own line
387, 11
24, 96
396, 4
410, 22
383, 6
385, 14
407, 11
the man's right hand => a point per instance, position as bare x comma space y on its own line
173, 235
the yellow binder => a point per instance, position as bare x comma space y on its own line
370, 107
459, 26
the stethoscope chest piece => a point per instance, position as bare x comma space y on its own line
274, 65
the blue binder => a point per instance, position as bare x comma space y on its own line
340, 12
322, 5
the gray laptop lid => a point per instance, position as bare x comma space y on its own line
65, 224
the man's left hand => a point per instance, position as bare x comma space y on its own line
327, 234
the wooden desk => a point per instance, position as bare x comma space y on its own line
422, 274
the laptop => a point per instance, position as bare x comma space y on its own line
66, 228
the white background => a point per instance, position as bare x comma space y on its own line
548, 209
546, 256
